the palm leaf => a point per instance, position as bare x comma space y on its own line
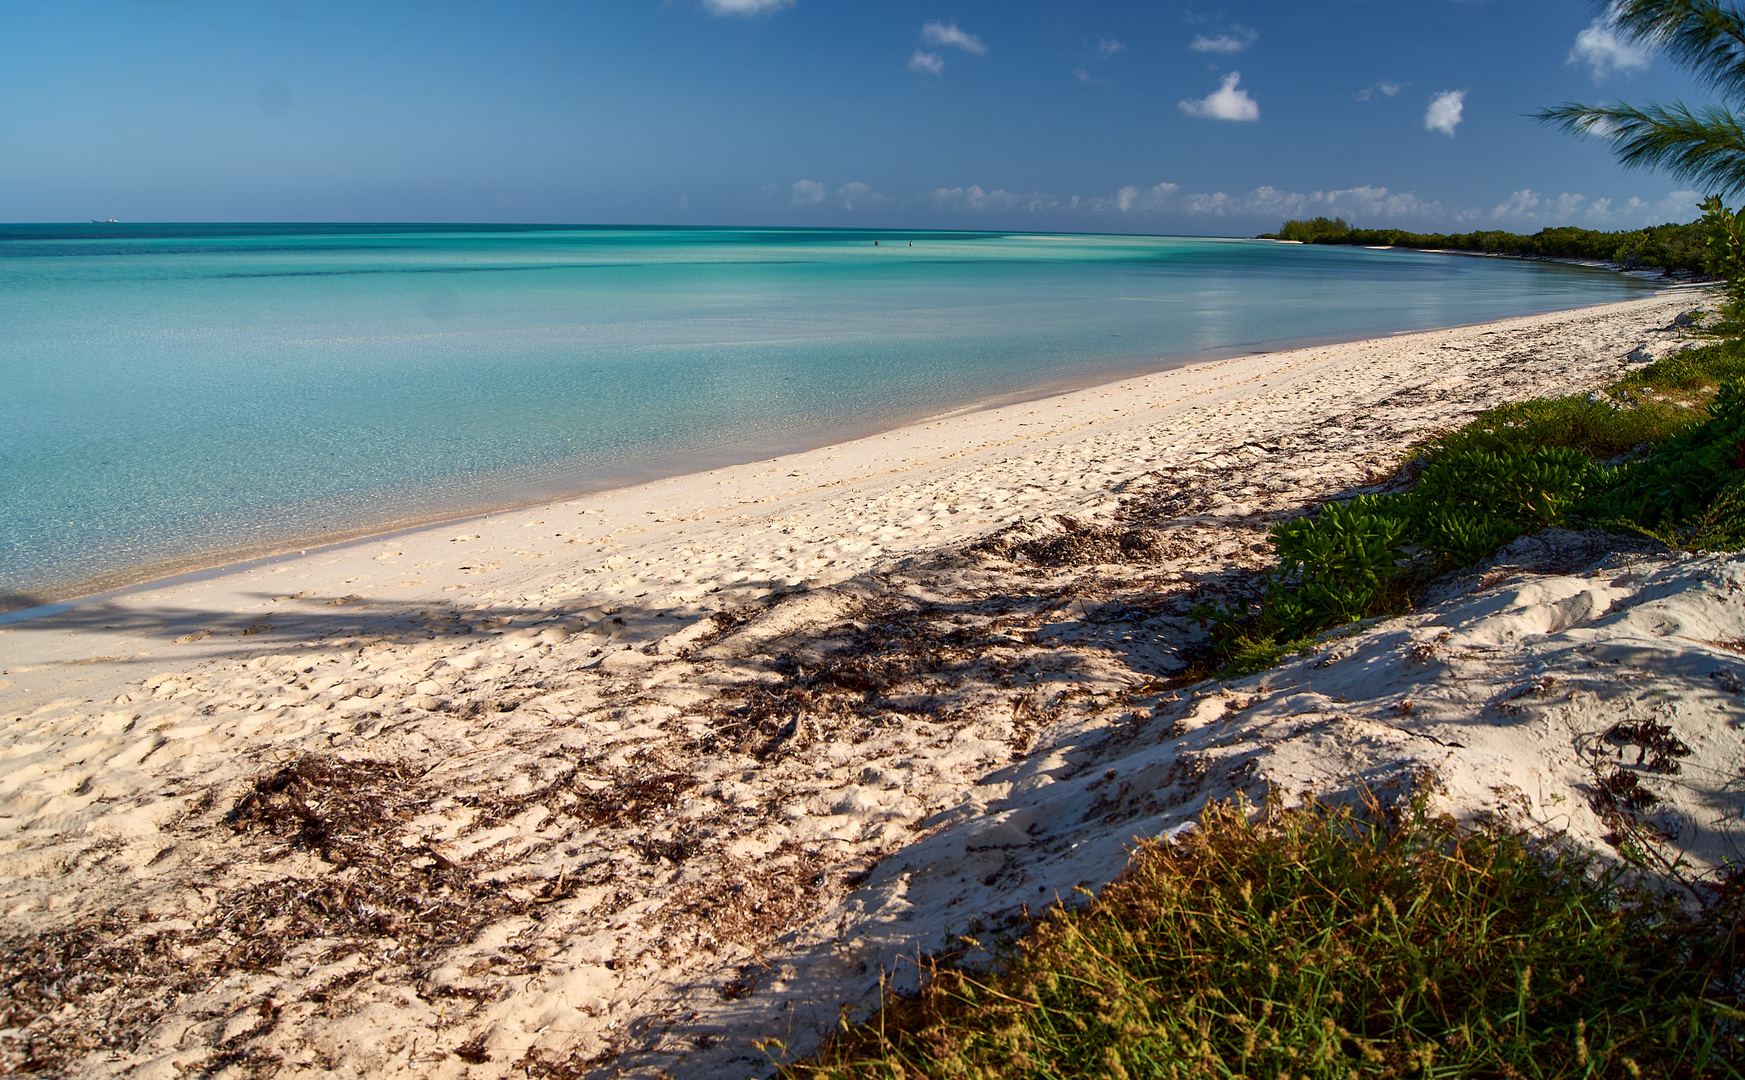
1705, 146
1707, 37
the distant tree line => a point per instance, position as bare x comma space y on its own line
1668, 247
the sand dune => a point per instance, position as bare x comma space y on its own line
632, 781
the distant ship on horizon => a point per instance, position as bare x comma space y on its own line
104, 221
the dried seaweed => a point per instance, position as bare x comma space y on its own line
1078, 544
97, 985
749, 905
1650, 736
104, 983
1622, 791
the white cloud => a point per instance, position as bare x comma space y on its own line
1382, 87
927, 63
1368, 204
1375, 207
1225, 103
974, 198
1084, 76
1136, 200
1237, 40
745, 9
1678, 204
1604, 52
1107, 47
1527, 209
939, 33
1444, 112
856, 191
852, 195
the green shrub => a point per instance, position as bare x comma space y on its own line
1315, 230
1531, 490
1462, 537
1681, 483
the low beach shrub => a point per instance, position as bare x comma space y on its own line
1512, 470
1332, 943
1681, 487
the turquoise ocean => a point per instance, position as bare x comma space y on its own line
177, 393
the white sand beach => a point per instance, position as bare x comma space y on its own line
625, 784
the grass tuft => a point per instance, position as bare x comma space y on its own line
1597, 426
1331, 943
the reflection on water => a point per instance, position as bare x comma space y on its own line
173, 390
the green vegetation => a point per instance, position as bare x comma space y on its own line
1668, 247
1511, 471
1327, 943
1314, 231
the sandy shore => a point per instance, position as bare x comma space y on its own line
626, 783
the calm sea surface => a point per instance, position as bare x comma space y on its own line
176, 392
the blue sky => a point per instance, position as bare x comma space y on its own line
1166, 117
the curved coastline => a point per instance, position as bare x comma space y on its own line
55, 597
284, 443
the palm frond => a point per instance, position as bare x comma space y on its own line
1705, 146
1707, 37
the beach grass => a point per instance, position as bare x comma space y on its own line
1333, 943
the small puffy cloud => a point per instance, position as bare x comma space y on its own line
975, 198
1382, 87
1600, 48
1084, 76
1225, 103
1107, 47
745, 9
851, 195
942, 33
927, 63
1517, 205
1678, 205
854, 192
1444, 112
1369, 204
1527, 209
1131, 200
1361, 203
1237, 40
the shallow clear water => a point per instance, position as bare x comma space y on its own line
168, 392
